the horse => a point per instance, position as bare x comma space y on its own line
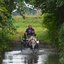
32, 42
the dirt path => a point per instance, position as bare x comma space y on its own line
17, 46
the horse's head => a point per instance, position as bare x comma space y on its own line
32, 42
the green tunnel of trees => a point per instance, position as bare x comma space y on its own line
53, 19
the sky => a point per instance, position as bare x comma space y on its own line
27, 5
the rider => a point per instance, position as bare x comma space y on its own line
30, 31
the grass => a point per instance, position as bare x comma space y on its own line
22, 25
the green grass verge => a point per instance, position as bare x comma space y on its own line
22, 25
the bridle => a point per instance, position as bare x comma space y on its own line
31, 40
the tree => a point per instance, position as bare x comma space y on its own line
51, 6
54, 8
6, 8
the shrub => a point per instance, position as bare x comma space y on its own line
49, 21
4, 42
61, 42
61, 37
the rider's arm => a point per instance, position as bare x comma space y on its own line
33, 31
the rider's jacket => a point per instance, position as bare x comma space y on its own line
29, 31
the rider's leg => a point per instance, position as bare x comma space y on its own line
25, 36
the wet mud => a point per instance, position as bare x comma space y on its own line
44, 55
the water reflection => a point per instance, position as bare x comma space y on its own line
18, 57
1, 57
48, 59
52, 59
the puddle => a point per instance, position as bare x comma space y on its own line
27, 56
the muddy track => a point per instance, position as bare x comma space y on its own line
17, 45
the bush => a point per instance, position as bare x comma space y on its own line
4, 42
61, 44
61, 38
49, 21
61, 34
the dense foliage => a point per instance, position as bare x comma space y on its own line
53, 20
6, 8
61, 37
50, 23
61, 40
